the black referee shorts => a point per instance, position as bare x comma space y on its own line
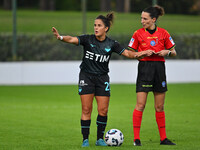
151, 77
99, 85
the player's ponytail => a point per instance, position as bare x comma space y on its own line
155, 11
110, 17
107, 20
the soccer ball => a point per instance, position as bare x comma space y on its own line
114, 137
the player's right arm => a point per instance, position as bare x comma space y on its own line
138, 55
67, 39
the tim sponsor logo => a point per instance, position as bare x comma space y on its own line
97, 57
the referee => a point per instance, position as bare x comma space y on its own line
93, 77
151, 70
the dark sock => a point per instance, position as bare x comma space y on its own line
85, 128
101, 126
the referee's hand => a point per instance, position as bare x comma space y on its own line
149, 52
143, 54
162, 53
146, 53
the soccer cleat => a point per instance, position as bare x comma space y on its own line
85, 143
137, 143
100, 142
166, 141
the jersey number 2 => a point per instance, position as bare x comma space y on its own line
107, 86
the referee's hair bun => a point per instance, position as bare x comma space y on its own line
155, 11
160, 10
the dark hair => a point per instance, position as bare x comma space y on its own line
107, 20
155, 11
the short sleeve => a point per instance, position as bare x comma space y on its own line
119, 49
169, 42
82, 39
133, 44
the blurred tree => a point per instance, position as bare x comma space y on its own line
105, 5
92, 5
178, 6
120, 5
170, 6
52, 5
7, 4
195, 9
127, 4
47, 5
43, 4
74, 5
123, 5
30, 4
139, 5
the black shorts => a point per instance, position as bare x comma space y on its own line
151, 77
99, 85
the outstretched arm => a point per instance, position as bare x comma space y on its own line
67, 39
138, 55
129, 53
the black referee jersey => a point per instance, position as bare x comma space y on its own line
97, 53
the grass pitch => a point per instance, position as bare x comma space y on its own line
41, 22
48, 118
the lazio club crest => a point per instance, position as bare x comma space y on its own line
107, 49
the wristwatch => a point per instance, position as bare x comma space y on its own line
169, 53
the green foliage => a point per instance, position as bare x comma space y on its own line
187, 46
37, 48
178, 6
48, 118
36, 42
30, 4
75, 5
93, 5
139, 5
171, 6
68, 5
45, 47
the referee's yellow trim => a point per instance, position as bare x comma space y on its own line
172, 47
131, 49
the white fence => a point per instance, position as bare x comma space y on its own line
66, 72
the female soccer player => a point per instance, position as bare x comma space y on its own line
93, 77
151, 70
